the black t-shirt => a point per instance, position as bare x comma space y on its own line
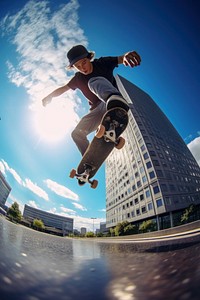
104, 67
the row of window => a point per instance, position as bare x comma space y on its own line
137, 212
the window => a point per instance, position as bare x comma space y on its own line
141, 170
152, 174
137, 212
136, 174
159, 202
146, 155
156, 162
149, 165
152, 153
147, 193
156, 189
144, 209
139, 183
164, 187
141, 197
144, 179
133, 187
136, 200
150, 206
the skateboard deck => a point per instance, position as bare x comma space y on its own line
107, 137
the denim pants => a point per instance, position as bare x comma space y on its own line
103, 89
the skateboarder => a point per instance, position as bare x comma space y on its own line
96, 81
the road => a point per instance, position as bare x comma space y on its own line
37, 266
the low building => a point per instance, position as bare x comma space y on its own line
5, 190
50, 220
83, 230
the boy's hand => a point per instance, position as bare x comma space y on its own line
46, 100
131, 59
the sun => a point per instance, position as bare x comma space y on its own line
55, 121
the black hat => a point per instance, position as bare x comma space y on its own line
76, 53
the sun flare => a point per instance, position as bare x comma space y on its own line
54, 121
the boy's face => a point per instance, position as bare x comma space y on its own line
84, 66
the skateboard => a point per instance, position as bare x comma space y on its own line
107, 137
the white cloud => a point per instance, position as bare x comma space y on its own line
13, 172
33, 204
102, 210
27, 183
87, 222
67, 210
194, 147
2, 168
42, 38
35, 189
80, 221
79, 206
61, 190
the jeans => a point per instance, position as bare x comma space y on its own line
103, 89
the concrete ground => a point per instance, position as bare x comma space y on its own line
37, 266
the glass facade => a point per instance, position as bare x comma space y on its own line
49, 219
155, 172
5, 190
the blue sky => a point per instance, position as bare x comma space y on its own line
36, 151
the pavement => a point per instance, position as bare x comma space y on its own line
37, 266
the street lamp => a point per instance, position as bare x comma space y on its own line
93, 223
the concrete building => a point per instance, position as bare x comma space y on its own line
83, 230
51, 220
103, 227
5, 190
155, 174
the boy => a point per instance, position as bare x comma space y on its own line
96, 81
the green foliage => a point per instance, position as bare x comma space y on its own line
99, 234
14, 212
89, 234
111, 232
187, 213
124, 228
130, 229
148, 225
38, 224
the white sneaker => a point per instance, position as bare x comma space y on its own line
117, 101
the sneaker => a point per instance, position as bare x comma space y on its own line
117, 101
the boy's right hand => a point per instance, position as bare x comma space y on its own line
46, 100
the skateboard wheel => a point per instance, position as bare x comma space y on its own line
72, 173
100, 131
94, 184
120, 144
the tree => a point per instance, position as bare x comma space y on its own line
148, 225
130, 229
99, 234
14, 212
187, 213
112, 231
119, 229
89, 234
38, 224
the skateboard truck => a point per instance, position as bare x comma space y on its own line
84, 177
110, 135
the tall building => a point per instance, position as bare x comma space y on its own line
83, 230
52, 220
5, 190
155, 174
